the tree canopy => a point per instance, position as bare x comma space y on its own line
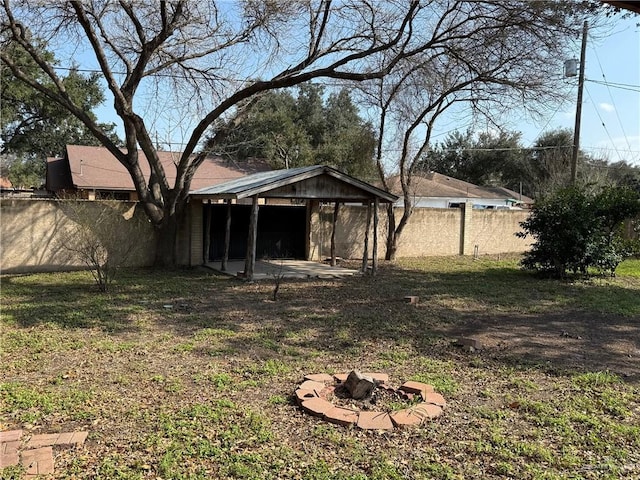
306, 129
211, 56
500, 159
33, 125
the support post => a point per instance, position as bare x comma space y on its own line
207, 232
227, 238
374, 261
365, 255
336, 208
250, 258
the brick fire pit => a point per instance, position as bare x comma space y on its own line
316, 396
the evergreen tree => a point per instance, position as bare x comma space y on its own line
34, 126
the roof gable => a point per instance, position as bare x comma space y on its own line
312, 182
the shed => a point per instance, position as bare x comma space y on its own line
286, 199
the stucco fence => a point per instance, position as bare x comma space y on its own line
31, 233
429, 232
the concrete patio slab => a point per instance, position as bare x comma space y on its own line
268, 269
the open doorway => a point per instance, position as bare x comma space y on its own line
281, 231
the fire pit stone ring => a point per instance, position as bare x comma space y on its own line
318, 395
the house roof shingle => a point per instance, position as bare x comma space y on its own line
96, 168
434, 184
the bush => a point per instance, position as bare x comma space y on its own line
576, 230
95, 239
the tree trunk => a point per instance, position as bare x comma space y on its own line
395, 232
392, 246
166, 242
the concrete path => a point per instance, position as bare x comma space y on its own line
268, 269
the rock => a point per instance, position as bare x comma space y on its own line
470, 344
359, 386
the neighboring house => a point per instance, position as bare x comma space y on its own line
434, 190
94, 173
5, 183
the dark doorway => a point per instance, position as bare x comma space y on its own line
281, 231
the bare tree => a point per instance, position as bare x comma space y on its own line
93, 237
211, 55
483, 58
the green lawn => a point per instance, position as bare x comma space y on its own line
191, 375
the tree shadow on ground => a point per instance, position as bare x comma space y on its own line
520, 319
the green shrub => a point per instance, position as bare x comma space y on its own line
576, 230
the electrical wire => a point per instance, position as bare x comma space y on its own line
602, 121
604, 78
621, 86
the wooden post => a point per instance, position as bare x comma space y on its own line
576, 129
207, 232
250, 258
227, 238
374, 264
365, 255
336, 208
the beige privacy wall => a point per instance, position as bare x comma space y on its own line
32, 233
430, 231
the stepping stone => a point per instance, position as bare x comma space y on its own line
341, 416
44, 440
416, 387
9, 453
311, 385
65, 438
434, 398
38, 461
10, 436
72, 438
375, 421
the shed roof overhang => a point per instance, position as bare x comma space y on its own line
315, 182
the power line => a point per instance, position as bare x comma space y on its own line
613, 101
621, 86
602, 121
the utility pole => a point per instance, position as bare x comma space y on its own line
576, 130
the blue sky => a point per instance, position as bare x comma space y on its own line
612, 55
610, 113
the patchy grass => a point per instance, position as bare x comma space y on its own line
189, 375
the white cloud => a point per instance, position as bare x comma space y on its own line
619, 148
607, 107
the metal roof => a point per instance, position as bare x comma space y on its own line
264, 182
